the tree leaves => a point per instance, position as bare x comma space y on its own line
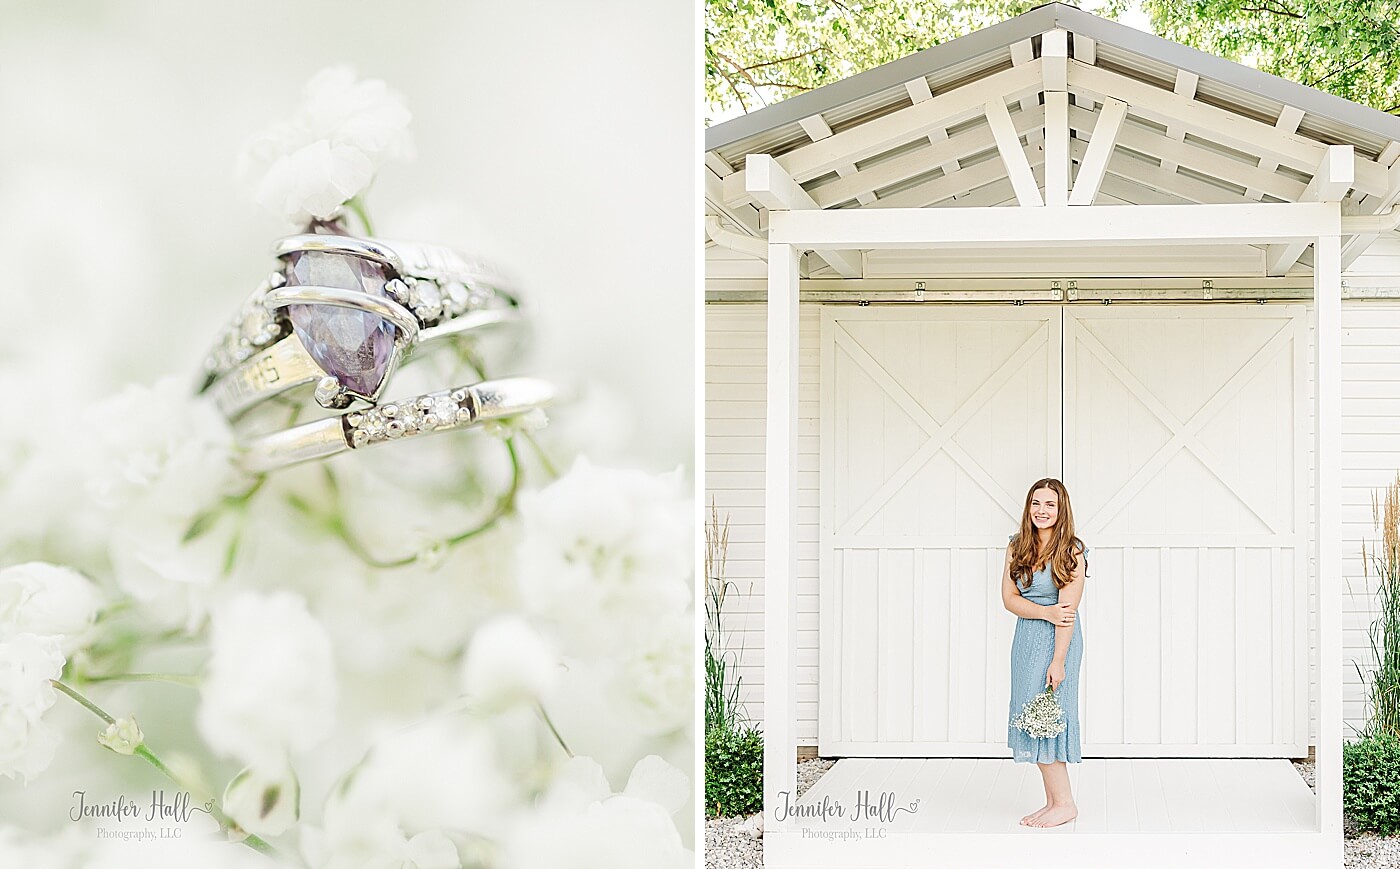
758, 53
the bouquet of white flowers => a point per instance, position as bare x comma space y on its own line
1041, 716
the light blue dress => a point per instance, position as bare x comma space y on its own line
1032, 650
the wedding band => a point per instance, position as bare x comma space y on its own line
433, 412
362, 305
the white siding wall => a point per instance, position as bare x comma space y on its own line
734, 402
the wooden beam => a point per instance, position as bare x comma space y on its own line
1013, 156
780, 537
1219, 125
946, 187
1085, 51
1327, 483
1354, 246
743, 216
1056, 148
1288, 121
945, 153
1330, 183
1100, 149
1185, 86
817, 129
1054, 59
919, 92
777, 191
897, 128
934, 228
1207, 162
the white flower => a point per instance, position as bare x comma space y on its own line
580, 824
329, 152
601, 547
436, 779
654, 682
27, 743
122, 736
158, 450
508, 663
65, 849
314, 181
264, 803
270, 685
45, 599
362, 114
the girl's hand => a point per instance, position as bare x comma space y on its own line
1056, 674
1059, 614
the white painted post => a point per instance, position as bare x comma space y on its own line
780, 539
1327, 296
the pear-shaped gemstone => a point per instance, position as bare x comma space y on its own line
352, 346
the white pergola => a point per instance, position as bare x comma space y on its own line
1108, 160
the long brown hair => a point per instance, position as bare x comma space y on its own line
1063, 546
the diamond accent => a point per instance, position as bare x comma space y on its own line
426, 413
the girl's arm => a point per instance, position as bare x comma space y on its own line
1070, 594
1012, 599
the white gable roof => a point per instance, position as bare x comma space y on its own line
1185, 126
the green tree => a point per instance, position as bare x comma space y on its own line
758, 52
1350, 48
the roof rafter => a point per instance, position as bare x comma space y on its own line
1331, 181
1099, 150
1356, 245
1221, 125
897, 128
1013, 156
777, 191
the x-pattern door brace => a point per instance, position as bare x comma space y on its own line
1184, 434
940, 435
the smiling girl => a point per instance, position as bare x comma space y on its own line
1043, 583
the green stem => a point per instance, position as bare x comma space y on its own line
542, 455
355, 205
336, 523
552, 729
503, 504
252, 841
174, 678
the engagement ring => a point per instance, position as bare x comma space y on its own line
343, 313
433, 412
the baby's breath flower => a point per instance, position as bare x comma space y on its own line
48, 600
1041, 716
505, 427
270, 686
122, 735
310, 166
264, 803
508, 663
27, 742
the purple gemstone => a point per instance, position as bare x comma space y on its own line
352, 346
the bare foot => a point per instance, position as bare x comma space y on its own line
1055, 816
1026, 821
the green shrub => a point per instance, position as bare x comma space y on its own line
733, 772
1371, 783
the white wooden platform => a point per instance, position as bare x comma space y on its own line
1141, 812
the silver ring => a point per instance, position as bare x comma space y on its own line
433, 412
391, 295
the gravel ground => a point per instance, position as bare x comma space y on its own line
737, 843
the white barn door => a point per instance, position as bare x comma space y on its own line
1186, 458
1176, 429
933, 422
